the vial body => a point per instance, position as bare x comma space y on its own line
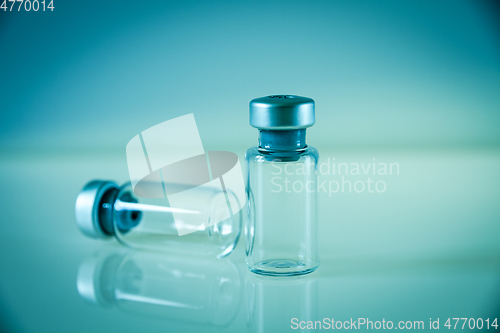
148, 223
281, 229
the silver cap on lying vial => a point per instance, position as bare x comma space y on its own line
87, 207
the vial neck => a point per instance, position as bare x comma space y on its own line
287, 140
126, 219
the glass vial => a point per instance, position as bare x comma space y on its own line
103, 210
281, 229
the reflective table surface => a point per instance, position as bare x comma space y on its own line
426, 248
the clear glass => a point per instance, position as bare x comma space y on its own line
281, 229
145, 223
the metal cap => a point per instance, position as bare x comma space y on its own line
282, 112
87, 207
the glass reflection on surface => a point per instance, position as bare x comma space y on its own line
271, 302
203, 291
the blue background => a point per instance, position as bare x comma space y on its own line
91, 75
410, 82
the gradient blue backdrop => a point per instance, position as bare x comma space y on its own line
92, 74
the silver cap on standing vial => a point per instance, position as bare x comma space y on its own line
282, 112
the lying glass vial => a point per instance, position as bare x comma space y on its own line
104, 210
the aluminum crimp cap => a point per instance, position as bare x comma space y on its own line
87, 207
282, 112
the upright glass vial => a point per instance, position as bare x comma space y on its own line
281, 229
